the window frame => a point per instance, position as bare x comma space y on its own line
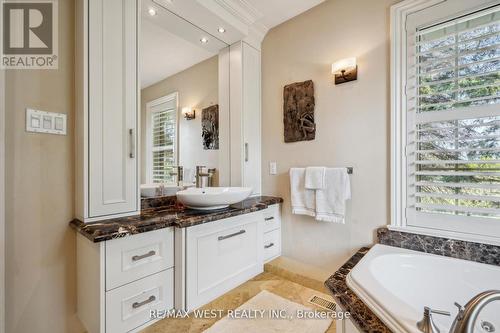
149, 133
398, 81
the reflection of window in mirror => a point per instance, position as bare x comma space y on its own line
161, 134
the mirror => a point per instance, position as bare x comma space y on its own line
179, 69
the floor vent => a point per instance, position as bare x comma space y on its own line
323, 303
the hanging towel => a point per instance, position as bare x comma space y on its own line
330, 202
315, 178
303, 200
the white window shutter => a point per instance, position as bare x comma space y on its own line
453, 124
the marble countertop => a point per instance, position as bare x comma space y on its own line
164, 217
361, 315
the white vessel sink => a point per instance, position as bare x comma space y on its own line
153, 190
210, 198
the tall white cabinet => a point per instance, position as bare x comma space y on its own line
245, 106
107, 104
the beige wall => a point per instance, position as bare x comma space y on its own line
352, 121
40, 247
198, 88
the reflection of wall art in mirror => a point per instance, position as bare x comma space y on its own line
298, 111
210, 127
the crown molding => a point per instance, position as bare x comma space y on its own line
241, 10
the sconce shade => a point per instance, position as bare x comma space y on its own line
188, 113
345, 70
343, 65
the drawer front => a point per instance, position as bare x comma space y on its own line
222, 255
131, 258
272, 218
272, 244
129, 307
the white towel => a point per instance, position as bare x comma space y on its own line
315, 178
303, 200
330, 202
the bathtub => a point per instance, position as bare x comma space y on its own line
397, 283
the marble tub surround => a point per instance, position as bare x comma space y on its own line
361, 315
167, 216
478, 252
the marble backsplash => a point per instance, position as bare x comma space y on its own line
478, 252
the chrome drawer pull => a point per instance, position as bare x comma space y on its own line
232, 235
268, 246
269, 218
136, 305
149, 254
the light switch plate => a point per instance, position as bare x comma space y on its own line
272, 168
45, 122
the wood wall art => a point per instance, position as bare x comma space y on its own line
298, 111
210, 127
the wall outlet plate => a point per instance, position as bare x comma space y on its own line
38, 121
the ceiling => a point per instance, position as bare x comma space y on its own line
170, 44
275, 12
164, 54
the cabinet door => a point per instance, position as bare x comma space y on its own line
112, 137
220, 256
251, 118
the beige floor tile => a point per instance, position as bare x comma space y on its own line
234, 298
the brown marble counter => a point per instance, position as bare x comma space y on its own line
361, 315
163, 217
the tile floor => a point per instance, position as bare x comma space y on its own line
234, 298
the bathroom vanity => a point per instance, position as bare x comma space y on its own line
170, 258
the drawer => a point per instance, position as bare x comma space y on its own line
272, 218
220, 256
129, 307
272, 244
131, 258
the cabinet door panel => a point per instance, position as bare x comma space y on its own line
112, 107
222, 255
251, 118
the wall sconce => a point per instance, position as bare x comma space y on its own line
345, 70
188, 113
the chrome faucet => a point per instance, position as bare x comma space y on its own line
200, 174
179, 174
427, 325
467, 315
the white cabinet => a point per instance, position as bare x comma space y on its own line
121, 280
107, 106
129, 259
221, 255
245, 109
215, 257
129, 306
272, 232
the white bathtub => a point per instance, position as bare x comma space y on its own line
397, 283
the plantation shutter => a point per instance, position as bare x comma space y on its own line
453, 124
163, 145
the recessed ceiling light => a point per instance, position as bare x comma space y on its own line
152, 11
204, 40
221, 30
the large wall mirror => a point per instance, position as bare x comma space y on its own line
180, 112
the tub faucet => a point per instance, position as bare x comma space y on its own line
427, 325
467, 315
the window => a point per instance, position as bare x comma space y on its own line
451, 120
162, 139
